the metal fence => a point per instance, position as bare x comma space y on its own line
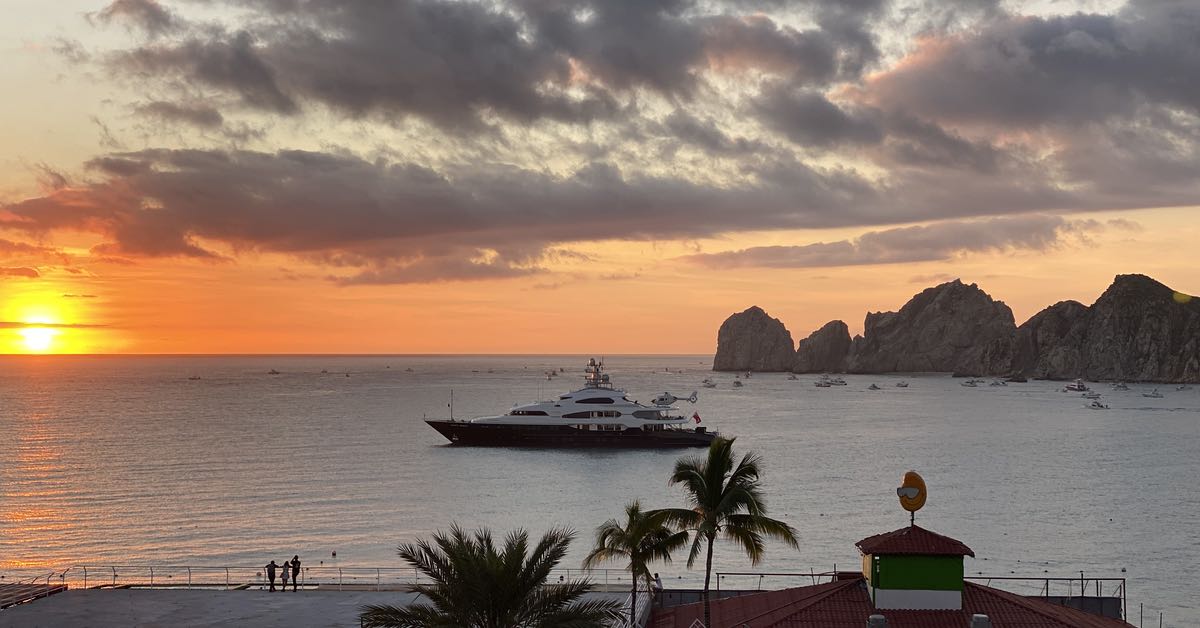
242, 577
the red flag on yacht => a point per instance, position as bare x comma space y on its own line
696, 417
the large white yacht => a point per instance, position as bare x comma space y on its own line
596, 415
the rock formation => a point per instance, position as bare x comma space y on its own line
952, 327
1048, 345
825, 351
753, 341
1139, 330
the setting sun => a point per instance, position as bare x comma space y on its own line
38, 339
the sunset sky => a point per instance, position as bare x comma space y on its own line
574, 176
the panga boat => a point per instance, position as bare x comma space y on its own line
1153, 394
1097, 405
596, 415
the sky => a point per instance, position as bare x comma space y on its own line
575, 176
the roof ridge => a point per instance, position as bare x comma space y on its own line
1037, 608
807, 601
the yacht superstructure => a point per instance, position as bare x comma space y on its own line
597, 415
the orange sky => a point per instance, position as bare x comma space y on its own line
550, 199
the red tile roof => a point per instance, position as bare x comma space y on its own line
846, 604
913, 540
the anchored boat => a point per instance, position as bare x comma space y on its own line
596, 415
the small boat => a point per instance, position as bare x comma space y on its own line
998, 382
737, 383
194, 378
901, 384
792, 377
821, 383
1153, 394
708, 383
1097, 405
1077, 386
272, 372
747, 374
970, 383
837, 381
1183, 388
1091, 394
1120, 386
873, 387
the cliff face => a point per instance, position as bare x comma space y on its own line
825, 351
952, 327
1048, 346
1138, 330
1141, 330
753, 341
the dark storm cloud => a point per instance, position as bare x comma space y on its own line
196, 115
935, 242
1068, 70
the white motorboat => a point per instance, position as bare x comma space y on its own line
1153, 394
737, 383
1076, 386
1097, 405
1120, 386
873, 387
901, 384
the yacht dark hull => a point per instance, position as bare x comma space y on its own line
466, 433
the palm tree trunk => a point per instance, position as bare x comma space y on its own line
633, 605
707, 578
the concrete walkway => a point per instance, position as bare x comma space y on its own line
186, 608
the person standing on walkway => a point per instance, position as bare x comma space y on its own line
271, 573
285, 576
295, 571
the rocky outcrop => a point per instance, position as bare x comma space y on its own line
1048, 345
952, 327
753, 341
825, 351
1141, 330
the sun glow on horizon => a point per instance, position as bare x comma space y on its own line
38, 339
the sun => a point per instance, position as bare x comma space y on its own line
38, 339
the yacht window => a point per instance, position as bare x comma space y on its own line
577, 415
527, 413
596, 400
647, 414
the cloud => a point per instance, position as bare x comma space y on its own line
342, 210
1028, 71
193, 114
148, 15
808, 118
454, 63
19, 271
935, 242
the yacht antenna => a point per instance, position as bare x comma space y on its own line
451, 404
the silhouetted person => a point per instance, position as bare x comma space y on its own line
295, 571
271, 573
658, 589
285, 576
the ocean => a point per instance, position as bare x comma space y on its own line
132, 461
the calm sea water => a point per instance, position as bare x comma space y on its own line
125, 460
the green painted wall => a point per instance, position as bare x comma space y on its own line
927, 573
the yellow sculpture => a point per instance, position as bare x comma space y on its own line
912, 492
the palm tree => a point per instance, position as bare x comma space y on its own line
476, 585
643, 539
726, 501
